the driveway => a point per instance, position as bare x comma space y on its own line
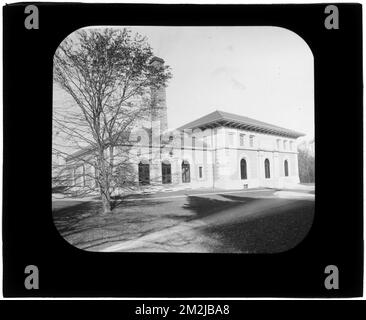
198, 221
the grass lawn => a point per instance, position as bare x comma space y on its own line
82, 224
255, 221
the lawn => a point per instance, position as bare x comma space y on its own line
257, 221
82, 224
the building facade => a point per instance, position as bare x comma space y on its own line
220, 150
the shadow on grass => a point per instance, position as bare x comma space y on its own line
241, 223
203, 207
83, 224
67, 214
273, 230
253, 225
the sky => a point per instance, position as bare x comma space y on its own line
265, 73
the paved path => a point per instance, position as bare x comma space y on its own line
181, 194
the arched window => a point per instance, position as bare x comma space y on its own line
267, 171
144, 173
243, 169
286, 168
186, 172
166, 172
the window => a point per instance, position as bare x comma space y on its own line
267, 169
79, 176
205, 143
74, 174
193, 143
88, 175
186, 172
84, 175
230, 139
286, 168
278, 144
144, 173
251, 141
291, 145
284, 144
166, 172
200, 172
243, 169
182, 141
242, 138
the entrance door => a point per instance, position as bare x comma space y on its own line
166, 171
144, 173
186, 174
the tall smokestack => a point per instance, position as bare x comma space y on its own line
158, 100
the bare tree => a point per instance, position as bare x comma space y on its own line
306, 166
109, 74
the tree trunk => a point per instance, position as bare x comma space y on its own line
106, 201
104, 184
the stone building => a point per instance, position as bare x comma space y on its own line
220, 150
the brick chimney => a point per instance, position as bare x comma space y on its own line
158, 100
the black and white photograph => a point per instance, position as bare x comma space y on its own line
182, 156
189, 139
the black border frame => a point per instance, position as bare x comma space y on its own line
29, 236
